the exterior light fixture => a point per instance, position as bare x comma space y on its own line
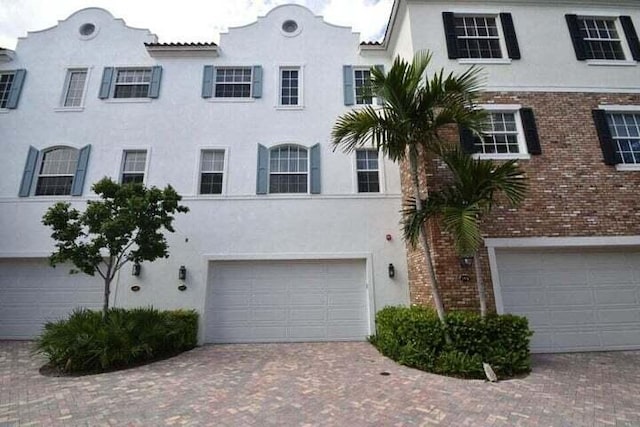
392, 271
466, 261
135, 270
182, 273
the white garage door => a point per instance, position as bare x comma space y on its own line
31, 293
279, 301
575, 300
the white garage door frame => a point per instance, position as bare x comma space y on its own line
611, 242
365, 256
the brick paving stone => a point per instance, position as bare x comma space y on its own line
317, 384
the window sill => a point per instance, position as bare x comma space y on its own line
612, 63
68, 109
127, 100
627, 168
485, 61
4, 110
231, 100
521, 156
289, 107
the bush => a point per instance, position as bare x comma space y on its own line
87, 343
415, 337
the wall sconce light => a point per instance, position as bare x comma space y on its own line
135, 288
392, 271
466, 261
182, 273
135, 270
182, 287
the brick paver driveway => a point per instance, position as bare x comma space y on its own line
317, 384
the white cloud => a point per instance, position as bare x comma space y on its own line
188, 20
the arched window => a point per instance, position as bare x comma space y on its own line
57, 168
288, 169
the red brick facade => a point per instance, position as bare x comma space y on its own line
571, 193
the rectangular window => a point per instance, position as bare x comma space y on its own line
478, 37
290, 86
625, 131
288, 169
362, 86
233, 82
133, 166
57, 169
132, 83
501, 135
601, 38
74, 89
211, 171
6, 80
368, 171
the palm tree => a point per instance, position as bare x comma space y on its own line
414, 110
462, 204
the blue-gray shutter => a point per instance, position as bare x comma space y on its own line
316, 177
347, 80
632, 36
81, 171
16, 88
29, 170
530, 131
156, 78
379, 67
207, 81
105, 86
607, 144
510, 38
449, 21
576, 37
467, 140
256, 91
262, 177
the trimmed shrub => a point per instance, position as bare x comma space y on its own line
414, 336
87, 343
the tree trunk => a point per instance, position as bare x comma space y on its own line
105, 305
424, 242
482, 295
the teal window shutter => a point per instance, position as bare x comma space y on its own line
16, 88
81, 171
347, 77
29, 170
262, 180
207, 81
257, 82
315, 169
105, 86
156, 77
379, 67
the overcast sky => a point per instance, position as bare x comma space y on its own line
188, 20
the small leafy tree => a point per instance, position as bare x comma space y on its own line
462, 204
125, 225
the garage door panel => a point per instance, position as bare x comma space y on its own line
288, 301
575, 299
232, 299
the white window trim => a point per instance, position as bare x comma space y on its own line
249, 98
120, 162
634, 109
36, 174
65, 88
354, 176
375, 101
624, 43
300, 104
198, 174
297, 144
522, 143
114, 78
505, 60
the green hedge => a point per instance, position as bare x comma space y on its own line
86, 343
415, 337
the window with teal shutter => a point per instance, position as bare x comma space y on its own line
81, 171
29, 170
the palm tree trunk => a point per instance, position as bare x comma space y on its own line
424, 242
482, 295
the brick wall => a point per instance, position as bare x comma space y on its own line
571, 193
